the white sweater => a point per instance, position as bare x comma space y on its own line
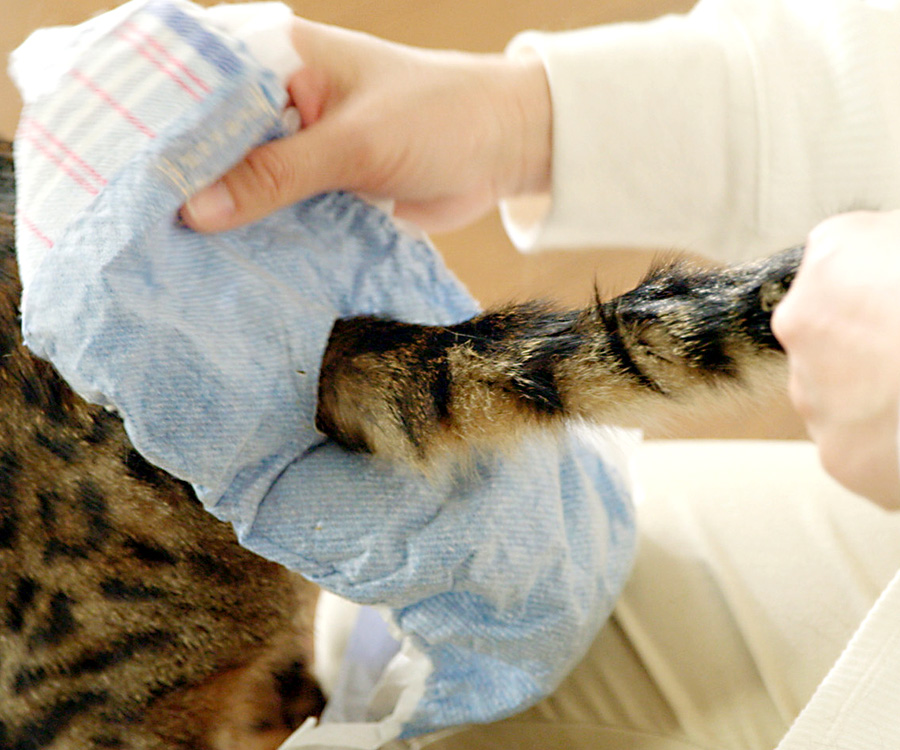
732, 131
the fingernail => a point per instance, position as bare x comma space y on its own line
210, 205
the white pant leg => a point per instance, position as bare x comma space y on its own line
753, 571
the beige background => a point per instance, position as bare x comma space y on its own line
481, 254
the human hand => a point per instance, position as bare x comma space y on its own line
445, 135
840, 326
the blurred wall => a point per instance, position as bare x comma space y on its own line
481, 254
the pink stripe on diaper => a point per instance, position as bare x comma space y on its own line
143, 45
112, 102
32, 227
47, 151
28, 122
201, 84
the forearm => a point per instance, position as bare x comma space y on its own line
731, 130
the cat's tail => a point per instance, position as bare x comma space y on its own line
421, 393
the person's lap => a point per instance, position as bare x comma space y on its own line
753, 571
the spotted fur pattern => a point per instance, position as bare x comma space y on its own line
129, 617
421, 394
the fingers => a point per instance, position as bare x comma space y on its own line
310, 92
434, 131
838, 324
269, 178
276, 174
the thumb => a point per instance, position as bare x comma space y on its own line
274, 175
269, 177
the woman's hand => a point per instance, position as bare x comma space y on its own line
840, 326
445, 135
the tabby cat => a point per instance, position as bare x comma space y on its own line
129, 617
425, 394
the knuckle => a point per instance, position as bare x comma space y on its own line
800, 399
271, 176
365, 157
361, 151
784, 321
835, 231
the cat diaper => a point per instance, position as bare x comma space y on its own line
493, 582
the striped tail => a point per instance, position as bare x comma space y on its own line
421, 393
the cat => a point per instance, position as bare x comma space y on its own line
130, 618
431, 395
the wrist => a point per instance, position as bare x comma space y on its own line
530, 117
517, 130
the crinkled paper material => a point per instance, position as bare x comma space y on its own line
209, 348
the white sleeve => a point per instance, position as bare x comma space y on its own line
855, 706
731, 130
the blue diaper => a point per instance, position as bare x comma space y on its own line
209, 347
